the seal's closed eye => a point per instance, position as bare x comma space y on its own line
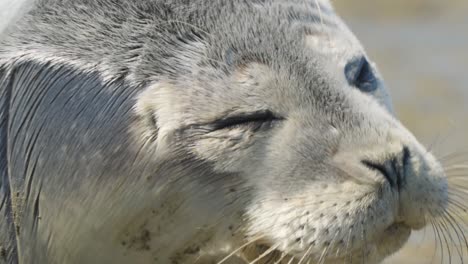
359, 74
255, 119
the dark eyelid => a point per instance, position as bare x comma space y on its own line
238, 119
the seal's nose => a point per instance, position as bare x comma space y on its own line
393, 168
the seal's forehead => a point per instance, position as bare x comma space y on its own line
310, 22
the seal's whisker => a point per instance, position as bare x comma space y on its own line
456, 172
272, 257
460, 215
338, 249
291, 260
446, 226
461, 245
458, 177
436, 240
458, 230
444, 236
457, 166
323, 258
458, 204
348, 255
237, 250
453, 155
306, 254
306, 212
363, 237
460, 189
453, 162
457, 201
451, 243
457, 189
264, 254
457, 186
457, 194
283, 255
459, 220
441, 242
458, 183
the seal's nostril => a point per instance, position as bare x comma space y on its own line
384, 169
393, 168
403, 166
405, 160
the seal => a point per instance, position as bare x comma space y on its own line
202, 132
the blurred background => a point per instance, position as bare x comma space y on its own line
421, 49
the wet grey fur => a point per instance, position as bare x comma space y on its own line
138, 40
130, 44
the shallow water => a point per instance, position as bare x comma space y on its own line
422, 53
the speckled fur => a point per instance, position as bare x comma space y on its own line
108, 154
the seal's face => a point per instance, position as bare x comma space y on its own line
305, 157
342, 185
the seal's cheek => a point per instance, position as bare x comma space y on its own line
225, 148
230, 150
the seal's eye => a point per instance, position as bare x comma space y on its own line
359, 74
254, 120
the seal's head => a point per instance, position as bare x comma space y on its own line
306, 159
258, 130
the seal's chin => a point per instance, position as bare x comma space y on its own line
371, 251
391, 240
